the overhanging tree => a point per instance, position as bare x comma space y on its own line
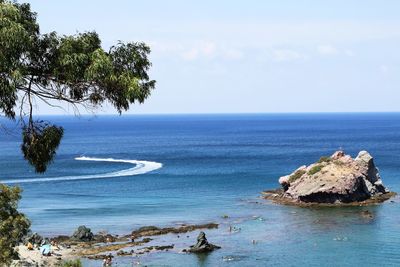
72, 69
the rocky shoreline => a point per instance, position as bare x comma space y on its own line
338, 180
84, 244
277, 196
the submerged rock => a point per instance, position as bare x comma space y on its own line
335, 179
202, 245
366, 214
83, 234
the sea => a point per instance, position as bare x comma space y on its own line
118, 173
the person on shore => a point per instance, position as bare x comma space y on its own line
54, 245
29, 246
107, 261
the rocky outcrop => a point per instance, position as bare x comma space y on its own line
83, 234
202, 245
335, 179
153, 230
34, 239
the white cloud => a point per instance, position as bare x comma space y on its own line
191, 54
208, 50
200, 50
384, 69
232, 53
287, 55
349, 53
270, 33
327, 50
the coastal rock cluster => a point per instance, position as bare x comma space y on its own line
83, 234
84, 244
335, 179
202, 245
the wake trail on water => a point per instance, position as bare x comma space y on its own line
141, 167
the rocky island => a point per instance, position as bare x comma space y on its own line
335, 180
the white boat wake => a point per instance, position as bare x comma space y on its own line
141, 167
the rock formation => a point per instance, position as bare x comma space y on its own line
153, 230
34, 239
202, 245
83, 234
335, 179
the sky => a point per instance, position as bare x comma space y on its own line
252, 56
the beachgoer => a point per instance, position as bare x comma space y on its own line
109, 260
54, 244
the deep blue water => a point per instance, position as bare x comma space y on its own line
215, 165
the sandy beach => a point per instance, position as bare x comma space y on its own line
34, 257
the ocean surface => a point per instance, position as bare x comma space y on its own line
118, 173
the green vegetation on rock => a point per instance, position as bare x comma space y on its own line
338, 162
317, 168
324, 159
296, 175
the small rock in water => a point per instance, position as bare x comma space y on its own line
367, 214
236, 229
202, 245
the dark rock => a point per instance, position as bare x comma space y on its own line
202, 245
152, 230
152, 248
366, 214
83, 234
125, 253
34, 239
97, 257
167, 247
100, 257
104, 238
61, 238
148, 228
23, 263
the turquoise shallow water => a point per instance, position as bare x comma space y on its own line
214, 165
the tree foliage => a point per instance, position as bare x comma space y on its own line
13, 224
74, 69
40, 143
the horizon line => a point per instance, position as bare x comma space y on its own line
220, 113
